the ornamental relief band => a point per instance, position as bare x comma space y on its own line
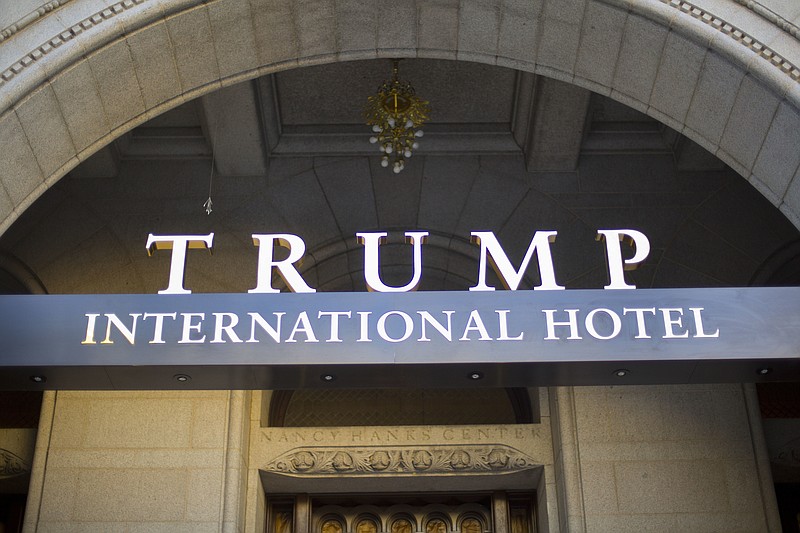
11, 465
321, 461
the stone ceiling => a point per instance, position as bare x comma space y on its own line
476, 108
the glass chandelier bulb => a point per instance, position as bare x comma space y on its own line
373, 140
391, 121
376, 128
418, 133
382, 148
388, 148
407, 153
397, 168
384, 161
409, 123
415, 146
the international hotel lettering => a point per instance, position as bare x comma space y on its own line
269, 320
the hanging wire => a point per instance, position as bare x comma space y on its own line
207, 205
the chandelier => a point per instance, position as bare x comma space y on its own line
396, 113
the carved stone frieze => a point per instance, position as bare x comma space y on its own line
11, 465
392, 460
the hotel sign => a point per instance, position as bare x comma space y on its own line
491, 253
395, 337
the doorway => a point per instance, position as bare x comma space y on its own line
495, 512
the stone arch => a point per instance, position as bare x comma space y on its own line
73, 80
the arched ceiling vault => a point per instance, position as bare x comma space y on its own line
75, 79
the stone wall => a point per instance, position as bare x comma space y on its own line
131, 462
670, 458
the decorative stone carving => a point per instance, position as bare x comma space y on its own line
725, 27
11, 465
401, 526
387, 460
367, 526
471, 525
788, 454
332, 526
436, 526
57, 40
30, 18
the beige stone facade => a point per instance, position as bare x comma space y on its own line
119, 118
664, 458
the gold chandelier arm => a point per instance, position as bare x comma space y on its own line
396, 114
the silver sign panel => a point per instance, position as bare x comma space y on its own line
448, 339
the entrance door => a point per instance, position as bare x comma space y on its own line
497, 512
